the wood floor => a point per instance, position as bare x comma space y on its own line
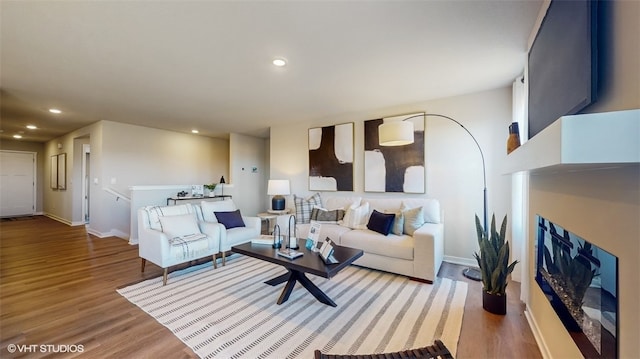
58, 286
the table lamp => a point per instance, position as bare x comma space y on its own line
277, 189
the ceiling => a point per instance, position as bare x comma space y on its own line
180, 65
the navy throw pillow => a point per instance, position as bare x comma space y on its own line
381, 222
230, 219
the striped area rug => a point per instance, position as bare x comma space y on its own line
230, 313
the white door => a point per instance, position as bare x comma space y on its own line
17, 183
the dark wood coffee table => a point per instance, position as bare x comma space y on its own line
310, 262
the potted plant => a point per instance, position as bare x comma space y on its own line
493, 261
210, 187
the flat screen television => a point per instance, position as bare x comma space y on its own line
562, 64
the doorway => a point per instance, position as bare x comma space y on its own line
17, 183
86, 175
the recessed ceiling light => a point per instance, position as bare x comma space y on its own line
17, 136
195, 131
32, 127
55, 110
280, 62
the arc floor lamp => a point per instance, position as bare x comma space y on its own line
400, 133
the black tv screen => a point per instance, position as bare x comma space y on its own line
562, 63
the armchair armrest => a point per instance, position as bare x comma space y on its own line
152, 245
253, 222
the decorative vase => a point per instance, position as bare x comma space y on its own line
513, 141
493, 303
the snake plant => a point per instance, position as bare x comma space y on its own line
493, 259
574, 273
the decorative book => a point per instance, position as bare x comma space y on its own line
289, 253
326, 252
312, 239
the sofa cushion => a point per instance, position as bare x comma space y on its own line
325, 216
230, 219
375, 243
384, 204
305, 206
333, 231
341, 202
413, 219
239, 235
179, 225
381, 222
209, 207
430, 208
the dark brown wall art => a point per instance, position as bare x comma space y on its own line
397, 168
331, 158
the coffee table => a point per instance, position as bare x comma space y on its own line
310, 263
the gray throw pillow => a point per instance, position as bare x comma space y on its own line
413, 219
324, 216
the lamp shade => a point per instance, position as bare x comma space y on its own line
396, 133
278, 187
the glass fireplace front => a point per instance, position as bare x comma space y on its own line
581, 282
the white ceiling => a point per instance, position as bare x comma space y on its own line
179, 65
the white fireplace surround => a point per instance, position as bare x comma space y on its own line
583, 171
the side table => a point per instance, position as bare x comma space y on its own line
268, 218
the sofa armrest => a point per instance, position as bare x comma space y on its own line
253, 222
153, 245
212, 230
428, 250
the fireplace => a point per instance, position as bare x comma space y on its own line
580, 280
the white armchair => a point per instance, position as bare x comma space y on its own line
246, 230
173, 235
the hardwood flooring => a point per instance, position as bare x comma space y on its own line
58, 287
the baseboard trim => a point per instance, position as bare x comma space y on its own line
461, 261
59, 219
111, 233
533, 325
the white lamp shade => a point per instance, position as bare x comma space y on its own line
278, 187
396, 133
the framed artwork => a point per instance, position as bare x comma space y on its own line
53, 178
331, 158
62, 171
394, 168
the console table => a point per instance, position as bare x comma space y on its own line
202, 198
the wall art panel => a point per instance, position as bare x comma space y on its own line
394, 168
331, 158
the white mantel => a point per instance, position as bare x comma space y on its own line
581, 142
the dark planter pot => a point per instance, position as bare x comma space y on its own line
493, 303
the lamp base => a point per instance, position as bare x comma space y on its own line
277, 203
472, 273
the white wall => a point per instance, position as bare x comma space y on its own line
125, 155
453, 162
246, 154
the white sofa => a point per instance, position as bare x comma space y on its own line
417, 256
159, 226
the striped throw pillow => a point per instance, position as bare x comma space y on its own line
304, 207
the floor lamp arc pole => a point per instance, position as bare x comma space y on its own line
471, 273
